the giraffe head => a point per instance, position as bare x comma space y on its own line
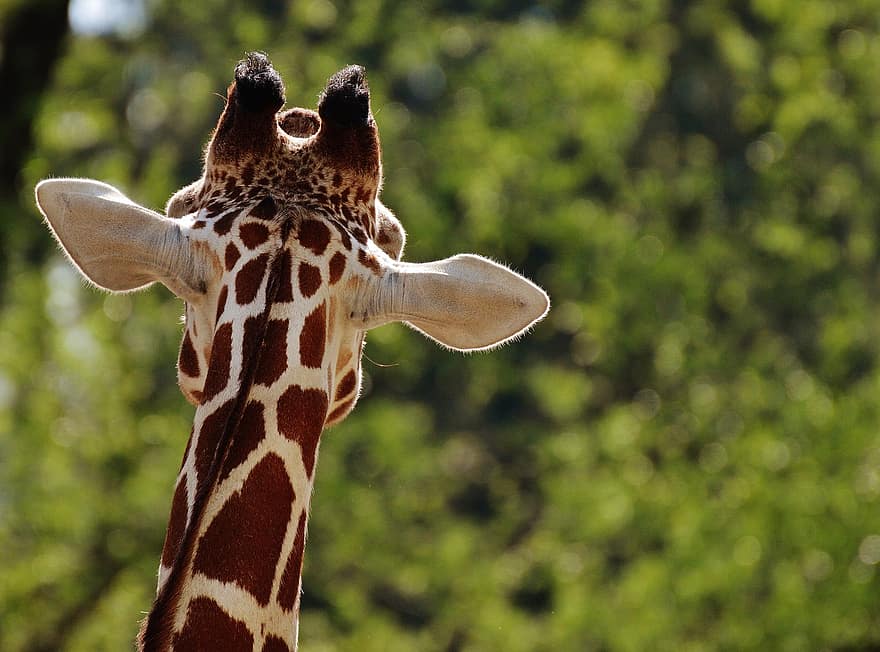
285, 257
295, 191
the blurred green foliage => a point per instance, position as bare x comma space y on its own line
683, 456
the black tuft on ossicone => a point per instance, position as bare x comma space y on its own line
258, 85
346, 99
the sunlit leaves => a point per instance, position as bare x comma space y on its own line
682, 456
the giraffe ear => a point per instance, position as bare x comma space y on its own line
465, 302
117, 244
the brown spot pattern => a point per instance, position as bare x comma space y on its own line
344, 237
274, 644
289, 588
314, 235
253, 234
224, 224
346, 385
265, 210
231, 256
250, 432
221, 302
273, 358
285, 289
342, 409
313, 337
250, 526
248, 281
208, 627
363, 194
337, 265
252, 329
301, 415
346, 354
188, 445
176, 523
221, 359
309, 279
188, 361
359, 235
209, 437
369, 261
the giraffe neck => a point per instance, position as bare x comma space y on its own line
231, 565
235, 575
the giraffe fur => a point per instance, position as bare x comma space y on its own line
284, 256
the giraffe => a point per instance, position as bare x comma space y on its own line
284, 257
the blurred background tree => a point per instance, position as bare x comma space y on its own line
683, 456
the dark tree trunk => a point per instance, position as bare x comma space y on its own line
32, 35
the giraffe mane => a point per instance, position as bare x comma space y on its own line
158, 631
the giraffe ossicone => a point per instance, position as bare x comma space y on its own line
284, 256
